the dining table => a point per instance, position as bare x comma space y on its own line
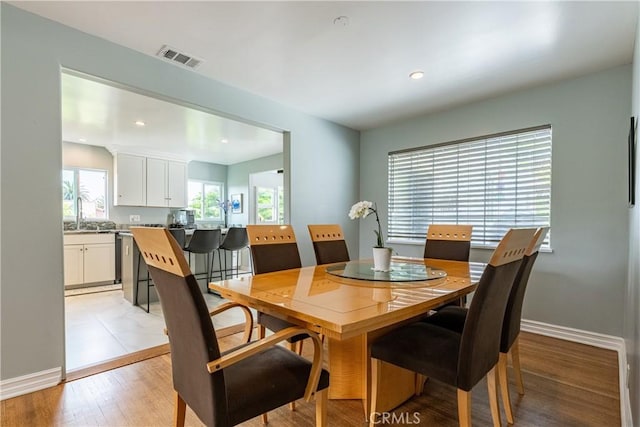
351, 305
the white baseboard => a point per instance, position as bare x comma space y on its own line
29, 383
594, 339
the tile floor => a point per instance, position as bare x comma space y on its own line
104, 325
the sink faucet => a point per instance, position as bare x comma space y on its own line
79, 213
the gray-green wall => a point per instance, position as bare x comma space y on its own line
632, 308
582, 283
33, 51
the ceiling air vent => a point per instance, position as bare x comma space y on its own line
174, 55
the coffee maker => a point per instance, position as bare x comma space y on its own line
182, 218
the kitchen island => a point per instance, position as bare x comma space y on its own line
135, 277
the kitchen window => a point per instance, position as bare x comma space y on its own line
88, 185
205, 198
493, 182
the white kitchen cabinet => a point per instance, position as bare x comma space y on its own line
73, 264
89, 258
166, 183
130, 180
99, 263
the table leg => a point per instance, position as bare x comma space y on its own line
350, 368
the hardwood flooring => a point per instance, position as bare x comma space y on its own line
567, 384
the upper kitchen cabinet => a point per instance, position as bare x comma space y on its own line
146, 181
130, 180
166, 183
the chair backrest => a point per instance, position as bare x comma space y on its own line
192, 337
204, 240
480, 342
235, 239
273, 248
179, 235
513, 312
448, 241
328, 243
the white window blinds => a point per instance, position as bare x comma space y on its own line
494, 183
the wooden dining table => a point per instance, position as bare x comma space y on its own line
351, 313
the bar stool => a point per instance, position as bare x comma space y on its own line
180, 236
205, 241
236, 239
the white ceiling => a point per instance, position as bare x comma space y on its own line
99, 114
357, 74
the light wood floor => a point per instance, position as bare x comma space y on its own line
567, 384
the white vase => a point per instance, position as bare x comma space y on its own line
381, 259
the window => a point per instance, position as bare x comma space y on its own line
494, 183
90, 186
270, 205
207, 207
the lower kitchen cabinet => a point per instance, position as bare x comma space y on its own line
89, 258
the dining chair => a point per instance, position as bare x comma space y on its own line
448, 241
463, 358
328, 243
454, 318
224, 388
274, 248
206, 241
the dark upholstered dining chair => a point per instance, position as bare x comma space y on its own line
463, 358
448, 241
454, 318
273, 248
224, 389
328, 243
451, 242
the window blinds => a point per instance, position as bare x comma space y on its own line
494, 183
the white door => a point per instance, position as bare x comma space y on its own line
73, 265
99, 262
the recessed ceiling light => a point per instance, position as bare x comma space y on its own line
224, 141
416, 75
82, 140
139, 123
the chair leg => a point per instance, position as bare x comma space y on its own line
179, 411
299, 347
492, 379
261, 331
515, 361
376, 368
504, 387
264, 418
321, 407
420, 379
464, 408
